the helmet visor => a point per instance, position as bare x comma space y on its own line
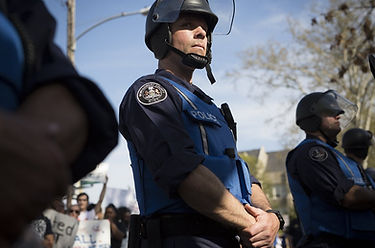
168, 11
333, 104
224, 10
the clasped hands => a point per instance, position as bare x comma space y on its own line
263, 232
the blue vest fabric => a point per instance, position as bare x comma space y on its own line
317, 216
11, 65
211, 135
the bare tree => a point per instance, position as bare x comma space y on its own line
330, 53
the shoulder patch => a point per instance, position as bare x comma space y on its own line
318, 153
151, 93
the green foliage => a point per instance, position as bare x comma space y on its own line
254, 170
251, 162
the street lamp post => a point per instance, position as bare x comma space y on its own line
71, 44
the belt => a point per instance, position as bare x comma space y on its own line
183, 225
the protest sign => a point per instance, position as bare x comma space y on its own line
96, 176
121, 197
64, 228
93, 234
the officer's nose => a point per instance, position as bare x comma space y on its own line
200, 33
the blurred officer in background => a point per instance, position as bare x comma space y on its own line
356, 143
332, 203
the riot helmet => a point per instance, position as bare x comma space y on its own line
357, 141
312, 107
158, 37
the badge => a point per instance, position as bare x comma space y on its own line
151, 93
318, 153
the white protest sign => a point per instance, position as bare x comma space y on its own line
96, 176
93, 234
64, 228
121, 197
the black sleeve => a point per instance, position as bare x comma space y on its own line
48, 226
159, 136
255, 180
45, 63
319, 173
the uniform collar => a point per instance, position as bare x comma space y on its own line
191, 87
310, 136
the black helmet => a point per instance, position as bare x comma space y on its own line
356, 138
163, 12
312, 106
158, 36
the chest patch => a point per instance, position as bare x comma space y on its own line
318, 153
151, 93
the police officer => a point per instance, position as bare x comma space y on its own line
356, 143
331, 200
192, 188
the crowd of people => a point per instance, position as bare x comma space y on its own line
83, 210
192, 187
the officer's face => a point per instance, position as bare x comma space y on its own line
331, 125
189, 34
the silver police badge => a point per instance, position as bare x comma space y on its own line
151, 93
318, 153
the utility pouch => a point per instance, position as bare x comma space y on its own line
135, 231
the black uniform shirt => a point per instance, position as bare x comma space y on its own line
158, 132
316, 168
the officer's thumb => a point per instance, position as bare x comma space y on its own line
253, 210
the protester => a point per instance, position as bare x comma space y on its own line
118, 228
58, 205
124, 216
192, 188
56, 126
42, 227
332, 201
74, 211
83, 203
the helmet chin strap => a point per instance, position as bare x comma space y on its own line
330, 141
195, 61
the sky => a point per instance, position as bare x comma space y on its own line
114, 55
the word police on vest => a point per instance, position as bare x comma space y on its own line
206, 117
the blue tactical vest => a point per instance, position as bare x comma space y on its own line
317, 216
11, 65
211, 135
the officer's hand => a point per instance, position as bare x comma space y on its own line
245, 236
33, 172
264, 231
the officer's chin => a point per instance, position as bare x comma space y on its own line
332, 133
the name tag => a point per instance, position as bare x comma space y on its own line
204, 117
